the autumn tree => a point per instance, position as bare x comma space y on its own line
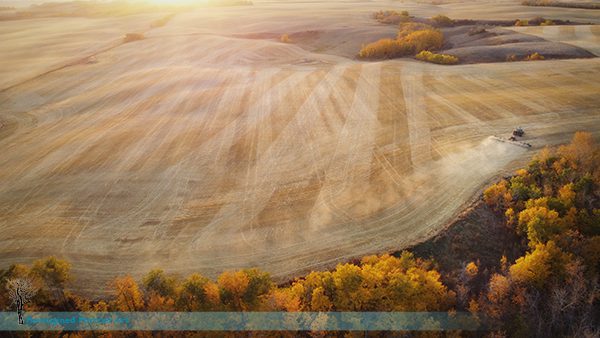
497, 196
259, 285
156, 281
52, 275
540, 223
128, 296
233, 286
545, 264
195, 294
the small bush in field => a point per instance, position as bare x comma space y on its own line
385, 49
538, 20
429, 39
511, 58
391, 17
534, 57
442, 20
130, 37
410, 27
442, 59
285, 38
520, 22
547, 23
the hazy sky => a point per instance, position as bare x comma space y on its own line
25, 3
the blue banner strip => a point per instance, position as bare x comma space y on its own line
240, 321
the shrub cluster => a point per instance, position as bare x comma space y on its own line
385, 49
285, 38
442, 59
130, 37
534, 57
421, 40
406, 28
442, 21
412, 38
537, 21
391, 17
512, 58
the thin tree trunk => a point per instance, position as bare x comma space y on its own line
20, 307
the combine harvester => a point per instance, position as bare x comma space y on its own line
517, 132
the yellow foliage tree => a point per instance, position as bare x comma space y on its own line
540, 223
566, 195
536, 268
233, 285
320, 301
283, 299
128, 295
499, 289
409, 27
193, 293
429, 40
497, 196
471, 270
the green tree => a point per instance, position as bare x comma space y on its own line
156, 281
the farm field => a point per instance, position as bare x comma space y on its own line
210, 145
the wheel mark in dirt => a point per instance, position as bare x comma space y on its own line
242, 213
417, 117
393, 141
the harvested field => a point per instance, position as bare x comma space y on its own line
585, 36
496, 44
210, 146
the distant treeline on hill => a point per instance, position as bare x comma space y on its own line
552, 290
565, 4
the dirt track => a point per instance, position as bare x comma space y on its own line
193, 150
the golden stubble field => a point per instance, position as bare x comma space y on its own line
207, 147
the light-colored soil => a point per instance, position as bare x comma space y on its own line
199, 150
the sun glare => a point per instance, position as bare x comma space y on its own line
178, 2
